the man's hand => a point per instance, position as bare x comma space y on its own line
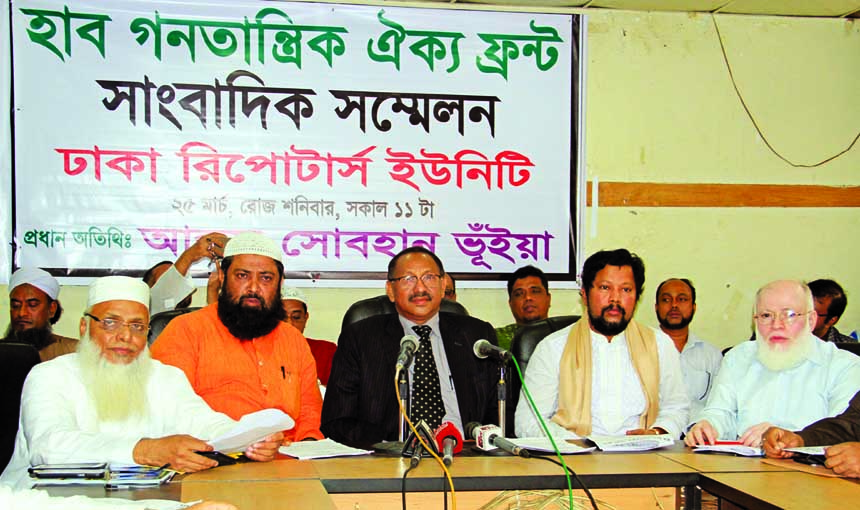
210, 246
844, 459
753, 435
212, 505
266, 449
776, 440
701, 433
177, 451
645, 432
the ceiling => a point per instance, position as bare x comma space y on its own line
810, 8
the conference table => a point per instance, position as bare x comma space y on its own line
628, 481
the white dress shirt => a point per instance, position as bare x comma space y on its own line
700, 363
169, 291
747, 393
58, 423
617, 398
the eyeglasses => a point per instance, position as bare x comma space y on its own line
115, 325
787, 316
411, 280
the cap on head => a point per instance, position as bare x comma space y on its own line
38, 278
252, 243
293, 293
118, 288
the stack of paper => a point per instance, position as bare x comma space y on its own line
117, 476
631, 443
735, 449
307, 450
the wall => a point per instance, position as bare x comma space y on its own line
661, 109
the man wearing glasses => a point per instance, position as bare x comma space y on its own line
361, 405
785, 378
111, 402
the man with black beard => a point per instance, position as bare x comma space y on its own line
700, 361
606, 374
237, 353
33, 309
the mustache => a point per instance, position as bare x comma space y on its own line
252, 296
614, 307
420, 295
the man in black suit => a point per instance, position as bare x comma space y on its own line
360, 406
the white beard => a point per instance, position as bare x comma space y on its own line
778, 358
118, 391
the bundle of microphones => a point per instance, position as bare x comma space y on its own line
447, 438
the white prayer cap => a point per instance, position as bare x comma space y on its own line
118, 288
252, 243
293, 293
38, 278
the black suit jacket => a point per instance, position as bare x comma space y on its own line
838, 429
360, 406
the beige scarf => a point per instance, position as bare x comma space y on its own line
574, 392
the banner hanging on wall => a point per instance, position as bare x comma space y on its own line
344, 132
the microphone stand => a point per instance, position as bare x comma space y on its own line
502, 394
403, 382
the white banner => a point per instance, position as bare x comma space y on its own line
346, 133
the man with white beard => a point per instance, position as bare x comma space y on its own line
111, 402
787, 378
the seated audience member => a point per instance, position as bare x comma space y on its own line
606, 374
172, 286
450, 287
529, 300
842, 431
448, 382
700, 361
296, 307
111, 402
238, 353
33, 309
786, 360
830, 303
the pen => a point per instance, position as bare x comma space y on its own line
283, 373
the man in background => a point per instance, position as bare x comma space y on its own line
172, 286
450, 287
529, 300
33, 310
296, 307
830, 303
675, 306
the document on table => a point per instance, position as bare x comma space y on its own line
735, 449
809, 450
251, 428
542, 444
324, 449
631, 443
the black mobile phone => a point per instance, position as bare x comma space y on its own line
222, 459
809, 459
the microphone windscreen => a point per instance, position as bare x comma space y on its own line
446, 430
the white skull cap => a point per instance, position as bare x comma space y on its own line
293, 293
38, 278
118, 288
252, 243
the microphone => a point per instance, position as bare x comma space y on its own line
416, 454
408, 346
484, 349
489, 436
449, 440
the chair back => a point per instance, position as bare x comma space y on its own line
16, 360
159, 321
381, 305
523, 345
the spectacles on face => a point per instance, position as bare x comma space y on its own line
115, 325
787, 316
410, 280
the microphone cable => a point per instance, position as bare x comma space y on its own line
560, 462
426, 448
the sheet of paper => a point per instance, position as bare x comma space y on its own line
306, 450
631, 443
735, 449
810, 450
542, 444
251, 428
